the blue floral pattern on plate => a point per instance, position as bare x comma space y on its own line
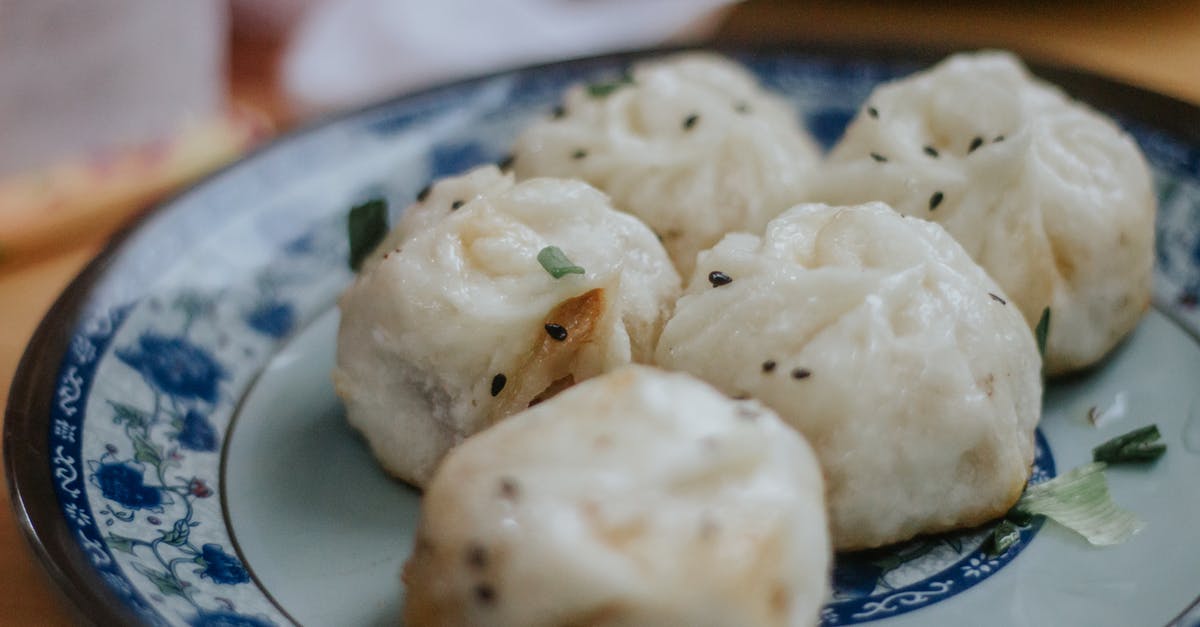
149, 514
200, 296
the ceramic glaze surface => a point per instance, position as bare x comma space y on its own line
202, 465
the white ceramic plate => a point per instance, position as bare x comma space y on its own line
178, 456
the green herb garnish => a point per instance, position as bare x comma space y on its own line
1137, 446
366, 226
601, 90
1003, 537
1007, 533
1042, 330
555, 261
1079, 501
1019, 518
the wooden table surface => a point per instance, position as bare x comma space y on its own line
1155, 44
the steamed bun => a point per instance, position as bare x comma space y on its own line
637, 498
1050, 197
454, 324
692, 145
893, 353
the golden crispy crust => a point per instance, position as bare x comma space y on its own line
547, 365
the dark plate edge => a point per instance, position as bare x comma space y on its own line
26, 452
28, 475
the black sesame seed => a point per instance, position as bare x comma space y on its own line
477, 556
507, 161
556, 331
579, 154
975, 143
873, 112
935, 200
508, 488
455, 205
997, 299
690, 121
558, 111
741, 107
878, 157
741, 396
485, 593
801, 373
718, 278
424, 193
498, 382
931, 151
768, 365
999, 138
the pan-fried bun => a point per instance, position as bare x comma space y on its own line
454, 324
915, 380
636, 498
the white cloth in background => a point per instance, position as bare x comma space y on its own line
347, 52
81, 76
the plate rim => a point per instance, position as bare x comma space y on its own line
28, 473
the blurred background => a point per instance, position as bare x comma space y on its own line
108, 105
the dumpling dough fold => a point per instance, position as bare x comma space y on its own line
904, 365
1049, 196
638, 498
691, 144
445, 331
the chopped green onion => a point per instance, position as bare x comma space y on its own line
1139, 445
1042, 330
367, 225
1019, 518
555, 261
1007, 533
1079, 501
600, 90
1003, 537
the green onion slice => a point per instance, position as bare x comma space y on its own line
366, 226
555, 261
1042, 330
601, 90
1137, 446
1079, 501
1003, 537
